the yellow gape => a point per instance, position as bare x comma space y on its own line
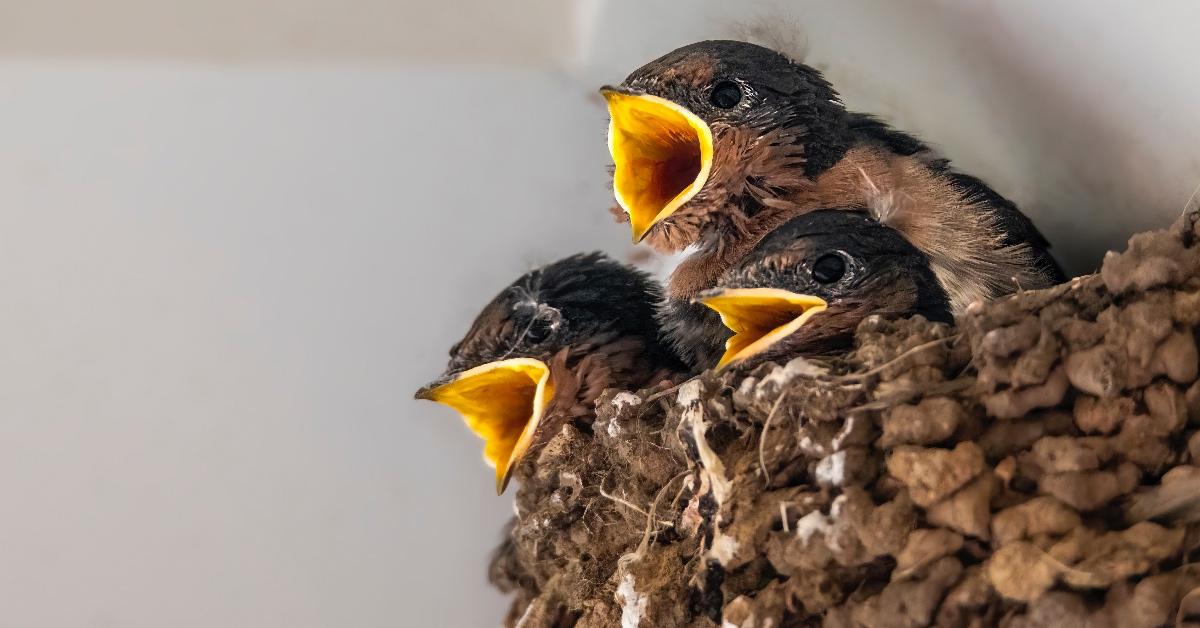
503, 403
662, 152
760, 317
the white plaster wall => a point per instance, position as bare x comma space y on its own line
219, 288
234, 238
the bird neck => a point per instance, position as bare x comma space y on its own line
842, 185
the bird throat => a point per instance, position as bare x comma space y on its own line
662, 153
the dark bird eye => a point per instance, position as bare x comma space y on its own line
538, 331
726, 95
828, 268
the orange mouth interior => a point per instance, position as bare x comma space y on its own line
760, 317
502, 402
662, 153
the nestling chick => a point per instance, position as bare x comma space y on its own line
805, 288
719, 142
541, 352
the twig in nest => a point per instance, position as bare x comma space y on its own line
625, 503
904, 396
583, 518
663, 393
682, 487
762, 439
650, 517
641, 548
914, 350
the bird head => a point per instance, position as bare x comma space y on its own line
544, 348
713, 125
805, 287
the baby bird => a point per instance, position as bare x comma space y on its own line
541, 352
805, 288
718, 143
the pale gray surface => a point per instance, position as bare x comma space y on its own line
221, 278
220, 289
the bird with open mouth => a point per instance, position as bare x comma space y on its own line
805, 288
541, 352
718, 143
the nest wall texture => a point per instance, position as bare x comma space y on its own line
1038, 465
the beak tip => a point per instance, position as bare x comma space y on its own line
430, 391
609, 91
502, 483
426, 393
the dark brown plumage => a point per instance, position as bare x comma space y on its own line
855, 266
783, 144
590, 320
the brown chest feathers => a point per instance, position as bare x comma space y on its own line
962, 238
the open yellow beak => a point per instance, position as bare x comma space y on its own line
760, 317
662, 152
503, 403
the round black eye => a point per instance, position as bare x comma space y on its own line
828, 268
726, 95
538, 330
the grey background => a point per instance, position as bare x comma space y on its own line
234, 238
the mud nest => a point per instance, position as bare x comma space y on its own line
1038, 465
